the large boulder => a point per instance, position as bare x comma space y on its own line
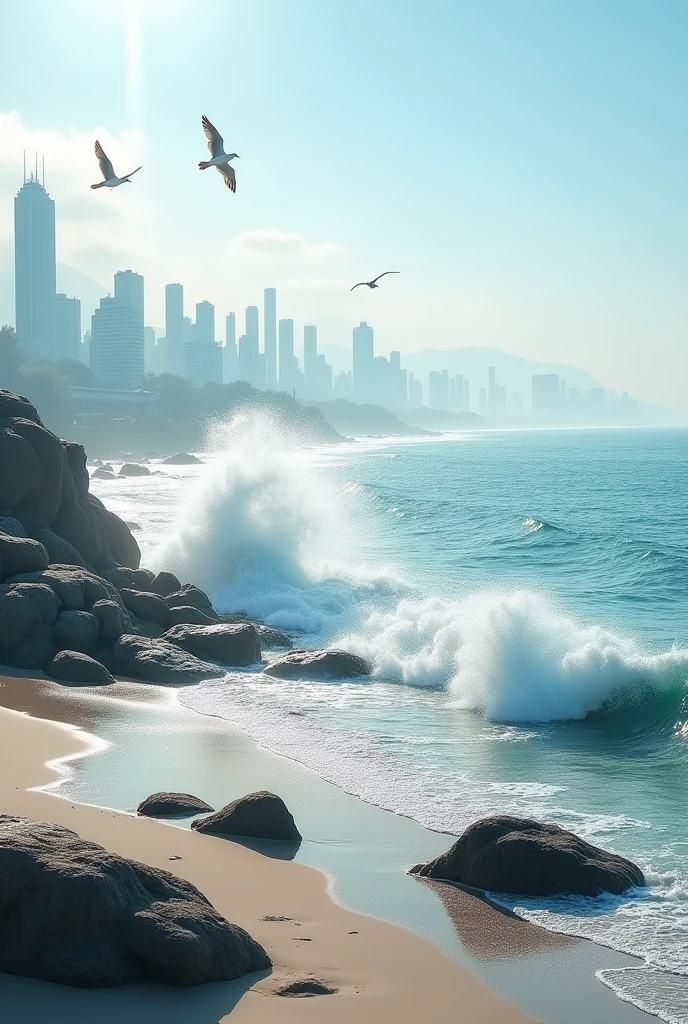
237, 644
103, 474
34, 653
189, 616
190, 595
44, 601
44, 482
113, 618
131, 579
171, 805
76, 588
134, 469
165, 583
182, 459
76, 631
76, 667
156, 661
17, 620
271, 637
76, 914
333, 664
151, 607
59, 550
531, 858
8, 524
21, 554
259, 815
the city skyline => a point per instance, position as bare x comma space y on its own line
530, 192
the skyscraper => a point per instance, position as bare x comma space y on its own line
310, 359
270, 336
229, 353
174, 329
66, 328
205, 323
438, 389
116, 349
363, 362
288, 367
251, 321
203, 356
129, 287
34, 268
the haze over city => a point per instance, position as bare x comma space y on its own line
547, 223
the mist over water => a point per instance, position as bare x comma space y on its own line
524, 603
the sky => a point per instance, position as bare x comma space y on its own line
523, 163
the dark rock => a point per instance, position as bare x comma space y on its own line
145, 605
76, 631
271, 637
300, 664
12, 405
188, 615
258, 816
34, 654
134, 527
76, 588
21, 554
76, 667
134, 469
132, 579
21, 474
156, 661
182, 459
44, 601
17, 620
189, 595
113, 618
170, 805
531, 858
303, 988
165, 583
152, 454
8, 524
76, 914
150, 629
229, 644
59, 550
103, 474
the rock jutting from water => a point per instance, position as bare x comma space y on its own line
170, 805
331, 664
259, 815
531, 858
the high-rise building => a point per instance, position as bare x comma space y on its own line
229, 353
66, 328
86, 349
343, 385
288, 366
150, 351
545, 394
438, 389
270, 336
249, 361
252, 323
34, 268
116, 349
310, 359
205, 323
203, 355
415, 392
174, 329
129, 287
363, 363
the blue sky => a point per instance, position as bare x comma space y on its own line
523, 163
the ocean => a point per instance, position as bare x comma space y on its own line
523, 598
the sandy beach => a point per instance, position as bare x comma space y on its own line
379, 971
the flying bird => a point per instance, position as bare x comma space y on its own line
373, 283
106, 169
218, 157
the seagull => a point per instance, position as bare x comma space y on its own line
106, 169
373, 283
218, 157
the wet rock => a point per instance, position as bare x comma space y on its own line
17, 620
170, 805
182, 459
76, 588
21, 554
76, 914
113, 618
188, 615
147, 606
156, 661
76, 631
103, 474
164, 584
189, 595
299, 664
259, 815
134, 469
229, 644
77, 667
531, 858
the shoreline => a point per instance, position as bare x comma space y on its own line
549, 977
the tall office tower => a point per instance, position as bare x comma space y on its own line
251, 322
117, 354
229, 353
205, 322
129, 287
66, 330
174, 329
248, 360
288, 367
363, 363
343, 387
34, 268
438, 389
203, 356
270, 336
310, 359
415, 392
150, 351
466, 395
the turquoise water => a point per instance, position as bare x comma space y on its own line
523, 598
